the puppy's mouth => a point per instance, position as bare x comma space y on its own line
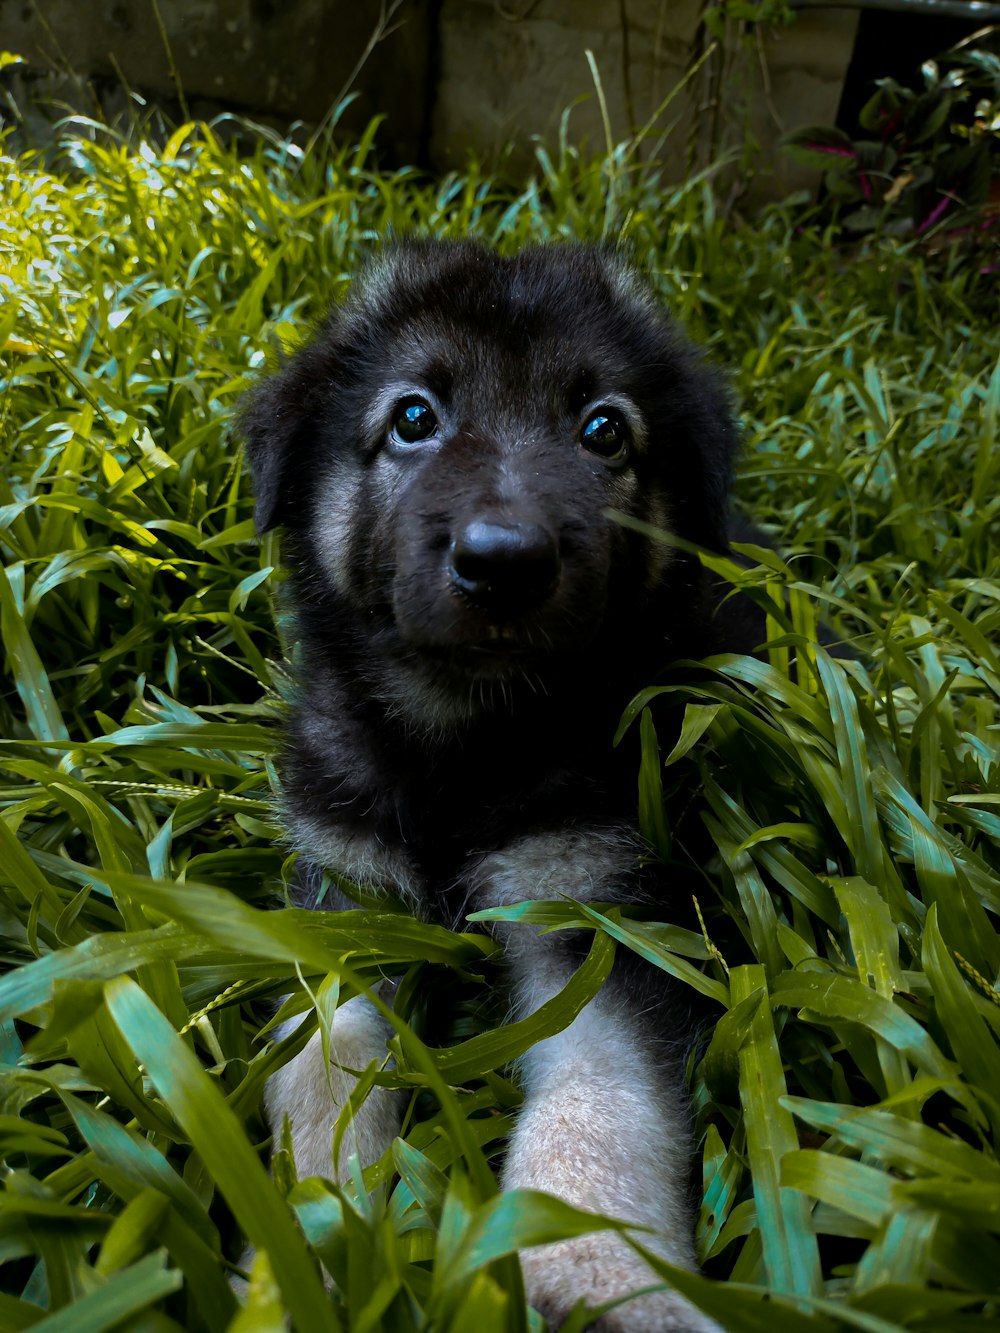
500, 648
501, 653
496, 659
499, 641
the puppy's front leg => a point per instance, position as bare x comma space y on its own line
312, 1094
604, 1127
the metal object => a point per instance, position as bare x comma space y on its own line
976, 11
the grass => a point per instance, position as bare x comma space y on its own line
847, 1092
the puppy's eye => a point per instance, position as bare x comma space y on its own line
413, 421
605, 434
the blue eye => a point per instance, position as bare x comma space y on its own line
605, 434
413, 421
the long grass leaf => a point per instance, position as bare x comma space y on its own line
790, 1251
215, 1132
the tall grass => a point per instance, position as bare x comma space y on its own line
847, 1092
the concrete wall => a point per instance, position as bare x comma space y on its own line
452, 77
283, 60
505, 77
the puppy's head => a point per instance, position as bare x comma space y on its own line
445, 452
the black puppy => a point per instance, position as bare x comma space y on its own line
472, 621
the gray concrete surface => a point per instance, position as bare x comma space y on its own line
452, 78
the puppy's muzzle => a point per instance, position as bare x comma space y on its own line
504, 567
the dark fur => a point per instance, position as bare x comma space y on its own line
415, 731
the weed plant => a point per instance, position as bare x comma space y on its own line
844, 944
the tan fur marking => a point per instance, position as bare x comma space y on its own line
359, 857
596, 1132
579, 864
334, 508
312, 1095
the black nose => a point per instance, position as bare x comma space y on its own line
505, 567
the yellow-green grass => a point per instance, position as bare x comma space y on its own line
847, 1090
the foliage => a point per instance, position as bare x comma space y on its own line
929, 159
714, 15
847, 1092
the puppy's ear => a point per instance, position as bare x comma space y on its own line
277, 419
268, 428
718, 435
698, 464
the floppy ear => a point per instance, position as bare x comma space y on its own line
267, 433
719, 441
698, 474
695, 435
277, 419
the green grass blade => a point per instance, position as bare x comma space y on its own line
215, 1133
124, 1295
790, 1252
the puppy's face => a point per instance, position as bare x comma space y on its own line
446, 452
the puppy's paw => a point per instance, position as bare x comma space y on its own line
597, 1268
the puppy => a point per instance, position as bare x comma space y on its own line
444, 457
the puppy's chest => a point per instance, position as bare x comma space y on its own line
437, 830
